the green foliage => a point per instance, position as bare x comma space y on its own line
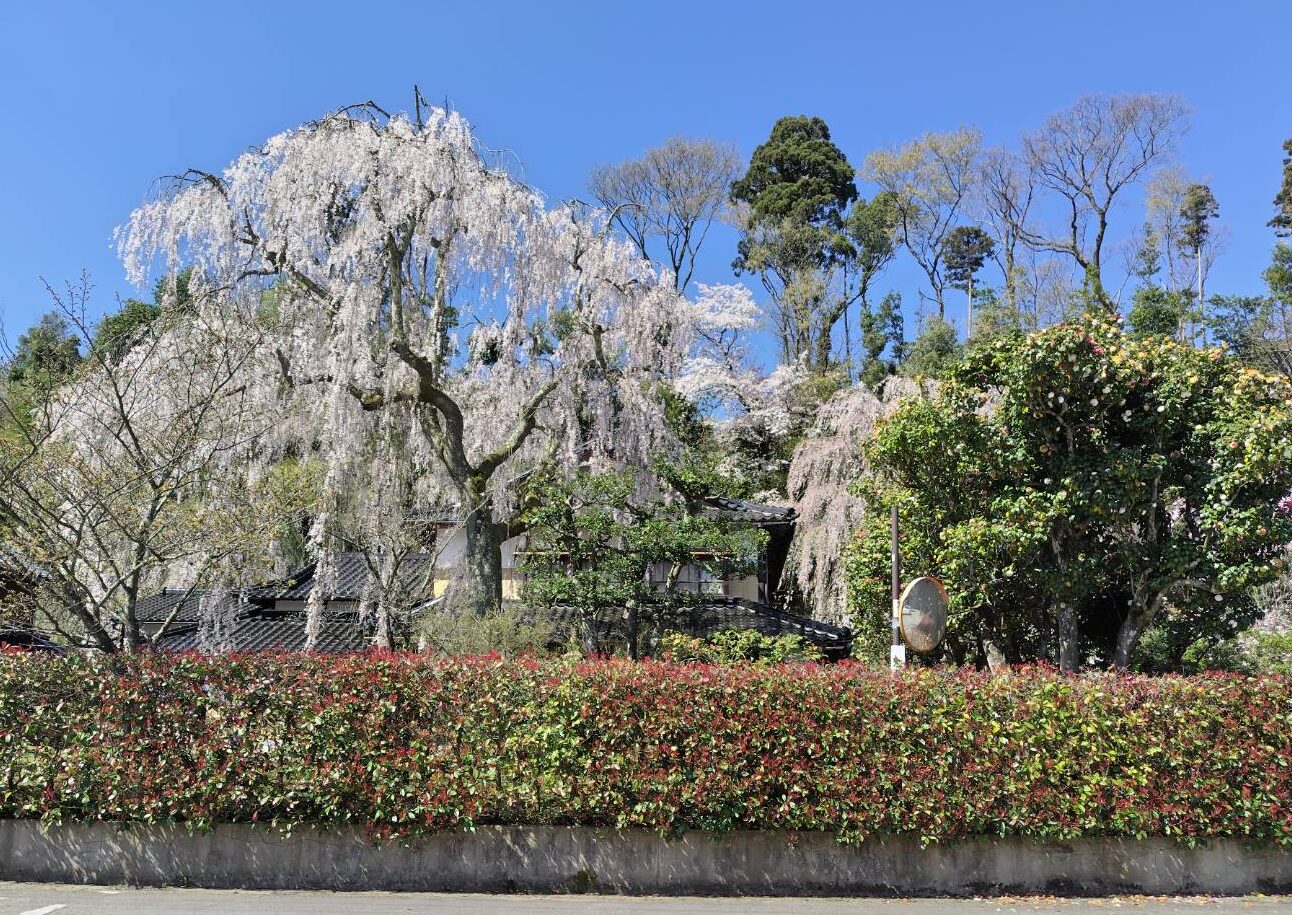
599, 545
1258, 329
1158, 312
119, 331
1282, 221
1253, 653
734, 646
1148, 255
1278, 275
1197, 208
797, 175
883, 337
509, 631
871, 227
400, 746
1134, 480
993, 316
46, 355
1267, 653
935, 351
794, 196
964, 251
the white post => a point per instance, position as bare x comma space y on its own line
897, 653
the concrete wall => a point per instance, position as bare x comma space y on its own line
555, 859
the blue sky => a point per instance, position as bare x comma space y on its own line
102, 98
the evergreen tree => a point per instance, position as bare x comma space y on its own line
46, 355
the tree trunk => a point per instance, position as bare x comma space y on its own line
1011, 283
1069, 639
823, 342
1139, 618
94, 629
996, 662
382, 638
633, 621
1202, 317
482, 564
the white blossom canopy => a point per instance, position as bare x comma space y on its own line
435, 329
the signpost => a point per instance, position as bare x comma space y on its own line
919, 612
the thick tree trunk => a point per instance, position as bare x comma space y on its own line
996, 662
382, 637
1128, 636
482, 565
1069, 639
89, 620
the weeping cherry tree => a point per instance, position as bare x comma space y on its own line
435, 330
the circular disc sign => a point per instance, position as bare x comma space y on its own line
923, 613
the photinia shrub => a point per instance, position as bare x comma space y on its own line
401, 745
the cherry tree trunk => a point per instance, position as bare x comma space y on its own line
481, 580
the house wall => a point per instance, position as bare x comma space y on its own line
453, 551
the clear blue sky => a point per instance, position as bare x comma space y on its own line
104, 97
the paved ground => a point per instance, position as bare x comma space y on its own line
48, 899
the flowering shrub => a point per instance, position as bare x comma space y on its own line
1110, 496
402, 745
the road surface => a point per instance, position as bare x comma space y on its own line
58, 899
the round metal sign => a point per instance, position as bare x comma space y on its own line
923, 614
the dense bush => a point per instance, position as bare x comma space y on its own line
407, 744
732, 646
1079, 491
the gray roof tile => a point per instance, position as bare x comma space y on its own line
280, 631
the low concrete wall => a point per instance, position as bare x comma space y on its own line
553, 859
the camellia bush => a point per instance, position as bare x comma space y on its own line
401, 745
1086, 496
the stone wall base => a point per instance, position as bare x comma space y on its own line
556, 859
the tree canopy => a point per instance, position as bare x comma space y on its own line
1078, 486
433, 329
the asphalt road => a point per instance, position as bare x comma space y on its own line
48, 899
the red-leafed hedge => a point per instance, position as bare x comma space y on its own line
407, 744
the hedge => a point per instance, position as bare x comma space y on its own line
403, 745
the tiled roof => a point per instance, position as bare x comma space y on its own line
279, 631
754, 512
719, 613
351, 576
260, 630
157, 608
28, 640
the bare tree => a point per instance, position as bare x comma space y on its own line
928, 181
670, 196
1088, 155
132, 476
1006, 189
